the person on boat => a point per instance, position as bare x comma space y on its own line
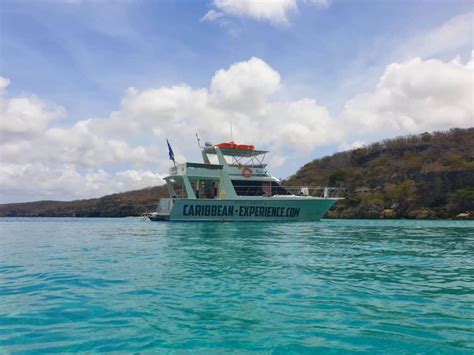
195, 188
213, 190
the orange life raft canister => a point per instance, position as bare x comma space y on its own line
229, 145
233, 145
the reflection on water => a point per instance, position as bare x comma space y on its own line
128, 285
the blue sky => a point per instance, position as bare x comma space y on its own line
83, 55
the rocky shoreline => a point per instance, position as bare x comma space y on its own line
390, 213
429, 176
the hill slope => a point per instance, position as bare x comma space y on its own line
131, 203
426, 176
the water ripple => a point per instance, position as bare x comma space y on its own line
116, 285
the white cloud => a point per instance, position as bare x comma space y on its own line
24, 117
245, 85
274, 11
350, 146
72, 146
60, 181
39, 160
270, 10
212, 15
452, 37
77, 161
244, 91
4, 83
302, 125
415, 96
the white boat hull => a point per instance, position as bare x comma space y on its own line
258, 209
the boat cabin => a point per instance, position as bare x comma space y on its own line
228, 171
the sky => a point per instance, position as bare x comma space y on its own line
91, 89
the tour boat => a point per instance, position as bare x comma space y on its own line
233, 184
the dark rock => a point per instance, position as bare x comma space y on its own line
389, 213
423, 213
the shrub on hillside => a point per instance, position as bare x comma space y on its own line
462, 200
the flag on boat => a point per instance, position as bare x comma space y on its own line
170, 151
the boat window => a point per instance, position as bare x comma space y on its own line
176, 189
205, 188
258, 188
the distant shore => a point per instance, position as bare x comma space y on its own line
427, 176
469, 215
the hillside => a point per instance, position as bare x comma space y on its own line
131, 203
426, 176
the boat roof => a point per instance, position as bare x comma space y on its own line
236, 152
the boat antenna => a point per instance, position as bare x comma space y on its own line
198, 140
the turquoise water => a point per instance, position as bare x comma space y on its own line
89, 285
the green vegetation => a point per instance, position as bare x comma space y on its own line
338, 176
403, 195
425, 176
462, 200
132, 203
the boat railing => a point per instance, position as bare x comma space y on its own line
255, 166
267, 190
316, 191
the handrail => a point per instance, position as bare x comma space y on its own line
316, 191
309, 191
256, 166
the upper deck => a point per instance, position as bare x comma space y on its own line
245, 153
196, 169
230, 171
216, 170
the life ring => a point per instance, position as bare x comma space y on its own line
247, 172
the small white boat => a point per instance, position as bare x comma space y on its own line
238, 188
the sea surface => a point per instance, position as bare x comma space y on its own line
335, 286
